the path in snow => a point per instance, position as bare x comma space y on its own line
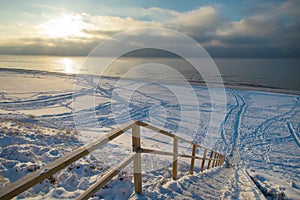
217, 183
293, 134
240, 186
228, 182
260, 130
199, 186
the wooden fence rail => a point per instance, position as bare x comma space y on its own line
215, 159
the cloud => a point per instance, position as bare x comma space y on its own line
272, 32
202, 20
291, 7
44, 6
158, 14
48, 46
115, 23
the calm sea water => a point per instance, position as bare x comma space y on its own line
256, 73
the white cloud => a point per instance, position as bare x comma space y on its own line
114, 23
204, 18
159, 14
277, 28
256, 26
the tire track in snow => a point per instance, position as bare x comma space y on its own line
262, 128
293, 134
42, 101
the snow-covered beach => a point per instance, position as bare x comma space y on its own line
260, 135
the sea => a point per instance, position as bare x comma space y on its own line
281, 75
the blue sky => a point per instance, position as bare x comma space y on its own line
248, 28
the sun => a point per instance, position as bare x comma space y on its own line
67, 64
68, 25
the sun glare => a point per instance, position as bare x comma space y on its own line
68, 25
68, 65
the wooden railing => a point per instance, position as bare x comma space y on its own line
215, 159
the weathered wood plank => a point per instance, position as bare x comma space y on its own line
23, 184
193, 160
210, 158
203, 161
32, 179
157, 152
175, 158
137, 163
106, 178
214, 160
153, 128
217, 160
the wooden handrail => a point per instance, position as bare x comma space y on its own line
107, 177
13, 189
32, 179
153, 128
164, 153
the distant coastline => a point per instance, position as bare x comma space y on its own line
240, 86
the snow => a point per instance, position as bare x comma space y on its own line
259, 135
274, 185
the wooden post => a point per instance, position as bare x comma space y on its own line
175, 157
217, 161
203, 161
210, 157
137, 163
193, 159
222, 160
214, 161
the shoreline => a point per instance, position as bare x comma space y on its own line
241, 86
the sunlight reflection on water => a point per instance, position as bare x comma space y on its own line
68, 64
274, 73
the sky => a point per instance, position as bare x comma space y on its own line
246, 28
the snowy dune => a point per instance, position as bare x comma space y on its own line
259, 135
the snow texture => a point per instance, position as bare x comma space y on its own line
259, 136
